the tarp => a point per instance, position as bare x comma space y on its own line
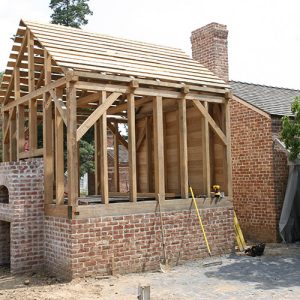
289, 224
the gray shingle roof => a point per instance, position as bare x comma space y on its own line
273, 100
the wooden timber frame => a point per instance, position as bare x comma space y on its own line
178, 133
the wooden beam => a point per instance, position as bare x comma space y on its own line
30, 154
47, 135
121, 140
72, 145
59, 153
211, 121
59, 104
123, 107
13, 139
183, 152
88, 99
142, 135
131, 148
103, 149
116, 160
206, 158
158, 149
96, 114
37, 93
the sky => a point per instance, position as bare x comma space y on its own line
263, 40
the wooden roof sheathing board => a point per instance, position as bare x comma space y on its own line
77, 49
81, 50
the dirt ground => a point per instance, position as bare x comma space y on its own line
276, 275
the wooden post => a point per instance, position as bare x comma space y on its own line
47, 135
149, 154
116, 159
184, 189
20, 129
5, 144
206, 162
158, 148
103, 152
97, 158
228, 148
72, 145
132, 148
12, 137
59, 153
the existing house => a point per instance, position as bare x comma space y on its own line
259, 166
177, 112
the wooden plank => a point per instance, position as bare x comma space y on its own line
131, 148
211, 121
13, 139
184, 189
88, 99
59, 104
206, 164
116, 160
158, 149
142, 136
33, 124
59, 153
96, 114
47, 136
123, 107
72, 145
103, 148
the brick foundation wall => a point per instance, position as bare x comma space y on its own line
25, 212
132, 243
5, 243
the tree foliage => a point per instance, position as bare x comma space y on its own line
1, 75
290, 133
70, 12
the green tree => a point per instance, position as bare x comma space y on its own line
70, 12
1, 75
290, 133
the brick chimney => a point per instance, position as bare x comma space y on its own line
209, 47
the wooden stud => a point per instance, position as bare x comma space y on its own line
20, 130
158, 149
13, 137
132, 148
97, 158
103, 150
72, 145
30, 53
121, 140
184, 189
5, 144
116, 160
59, 153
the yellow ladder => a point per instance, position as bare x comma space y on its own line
238, 234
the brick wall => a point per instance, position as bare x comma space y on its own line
24, 212
259, 173
132, 243
209, 47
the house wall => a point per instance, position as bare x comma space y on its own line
259, 173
